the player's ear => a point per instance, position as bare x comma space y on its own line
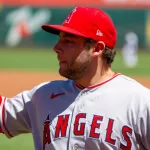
100, 46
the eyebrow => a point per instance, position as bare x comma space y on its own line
68, 35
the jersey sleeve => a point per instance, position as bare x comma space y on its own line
144, 124
16, 113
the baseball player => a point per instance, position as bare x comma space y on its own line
130, 50
94, 108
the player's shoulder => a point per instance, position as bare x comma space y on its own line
55, 84
130, 85
130, 82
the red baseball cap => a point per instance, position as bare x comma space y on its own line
89, 23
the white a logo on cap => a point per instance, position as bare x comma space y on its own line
99, 33
70, 16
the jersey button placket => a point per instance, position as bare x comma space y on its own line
76, 146
77, 109
73, 146
81, 107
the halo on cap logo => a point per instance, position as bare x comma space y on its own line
70, 16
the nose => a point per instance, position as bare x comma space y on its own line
58, 48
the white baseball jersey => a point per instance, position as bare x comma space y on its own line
113, 115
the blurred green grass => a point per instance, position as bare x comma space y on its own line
28, 59
21, 142
142, 68
45, 60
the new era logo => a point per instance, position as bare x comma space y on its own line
99, 33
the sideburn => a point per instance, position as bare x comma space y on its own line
78, 70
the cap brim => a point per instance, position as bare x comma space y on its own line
55, 29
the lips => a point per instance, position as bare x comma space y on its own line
62, 63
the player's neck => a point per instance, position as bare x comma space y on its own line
99, 77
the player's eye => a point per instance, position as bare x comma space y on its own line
69, 41
66, 40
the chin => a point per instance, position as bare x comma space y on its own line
62, 73
69, 76
73, 74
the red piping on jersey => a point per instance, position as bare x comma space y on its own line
93, 86
79, 86
3, 118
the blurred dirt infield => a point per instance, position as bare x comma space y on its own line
13, 82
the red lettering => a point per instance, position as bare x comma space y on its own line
95, 125
126, 130
109, 132
61, 126
77, 130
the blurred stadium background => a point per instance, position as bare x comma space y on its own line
26, 56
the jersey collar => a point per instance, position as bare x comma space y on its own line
97, 85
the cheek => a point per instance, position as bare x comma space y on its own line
84, 57
76, 54
72, 55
